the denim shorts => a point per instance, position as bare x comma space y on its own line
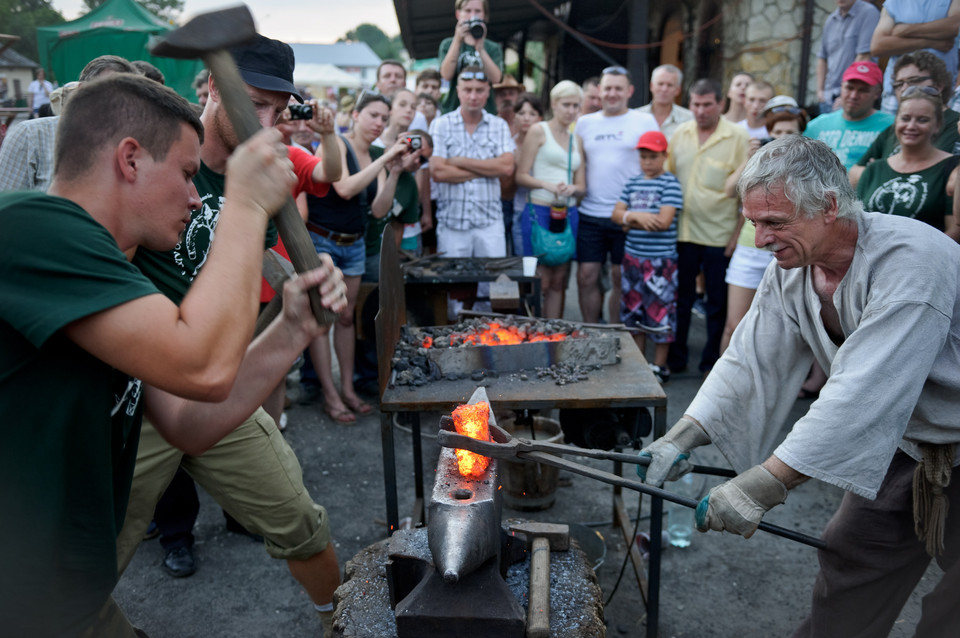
350, 259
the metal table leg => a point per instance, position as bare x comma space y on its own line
656, 529
419, 517
389, 472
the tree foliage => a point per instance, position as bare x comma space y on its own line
167, 9
382, 44
22, 17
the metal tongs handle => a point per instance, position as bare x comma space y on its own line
504, 446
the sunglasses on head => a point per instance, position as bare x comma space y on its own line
792, 110
474, 75
915, 90
614, 70
366, 97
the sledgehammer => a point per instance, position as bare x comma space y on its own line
209, 36
541, 538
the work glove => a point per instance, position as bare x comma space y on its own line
668, 455
738, 505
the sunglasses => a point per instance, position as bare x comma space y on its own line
366, 97
916, 90
792, 110
910, 81
474, 75
614, 70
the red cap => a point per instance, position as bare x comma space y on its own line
653, 141
866, 71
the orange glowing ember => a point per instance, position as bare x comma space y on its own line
427, 342
472, 420
497, 335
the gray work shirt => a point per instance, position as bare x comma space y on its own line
894, 381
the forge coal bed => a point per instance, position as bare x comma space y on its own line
362, 603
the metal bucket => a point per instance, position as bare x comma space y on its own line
530, 486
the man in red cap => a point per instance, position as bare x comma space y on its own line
851, 130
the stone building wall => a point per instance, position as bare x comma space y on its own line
765, 38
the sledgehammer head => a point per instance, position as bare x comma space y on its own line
557, 535
208, 32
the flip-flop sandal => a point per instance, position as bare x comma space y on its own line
362, 408
341, 416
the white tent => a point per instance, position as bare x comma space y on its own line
324, 75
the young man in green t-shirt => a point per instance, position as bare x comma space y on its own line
84, 335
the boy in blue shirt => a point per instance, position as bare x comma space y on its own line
647, 210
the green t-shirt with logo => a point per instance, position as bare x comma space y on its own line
72, 421
406, 207
469, 57
174, 271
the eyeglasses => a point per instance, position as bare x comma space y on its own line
474, 75
916, 90
614, 70
792, 110
917, 79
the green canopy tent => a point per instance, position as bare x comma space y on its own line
118, 27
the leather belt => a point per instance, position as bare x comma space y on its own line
340, 239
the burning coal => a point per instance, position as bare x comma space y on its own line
472, 420
497, 334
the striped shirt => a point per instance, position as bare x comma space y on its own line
647, 196
475, 203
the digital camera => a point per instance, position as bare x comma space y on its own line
301, 112
416, 141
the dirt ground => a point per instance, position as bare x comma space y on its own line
721, 586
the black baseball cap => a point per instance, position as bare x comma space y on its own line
267, 64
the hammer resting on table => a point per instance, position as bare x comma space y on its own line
541, 538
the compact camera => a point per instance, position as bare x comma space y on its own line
765, 140
416, 141
301, 112
477, 28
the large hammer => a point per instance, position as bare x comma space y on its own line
541, 538
209, 36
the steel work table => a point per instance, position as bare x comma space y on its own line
629, 383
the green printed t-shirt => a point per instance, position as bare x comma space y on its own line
72, 421
469, 57
174, 271
406, 207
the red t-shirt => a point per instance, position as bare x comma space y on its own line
303, 165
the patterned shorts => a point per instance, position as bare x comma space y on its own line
649, 298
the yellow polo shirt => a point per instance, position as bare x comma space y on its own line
709, 217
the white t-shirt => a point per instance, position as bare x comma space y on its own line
610, 145
41, 93
759, 133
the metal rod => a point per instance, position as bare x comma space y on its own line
613, 479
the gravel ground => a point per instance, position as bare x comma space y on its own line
721, 586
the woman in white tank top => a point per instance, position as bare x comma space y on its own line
551, 166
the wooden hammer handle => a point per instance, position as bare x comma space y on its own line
245, 123
538, 598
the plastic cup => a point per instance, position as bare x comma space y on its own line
529, 266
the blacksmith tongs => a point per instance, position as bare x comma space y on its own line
504, 446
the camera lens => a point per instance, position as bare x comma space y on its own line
477, 28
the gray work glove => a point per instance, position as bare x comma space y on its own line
738, 505
668, 455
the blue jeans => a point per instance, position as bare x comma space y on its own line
692, 258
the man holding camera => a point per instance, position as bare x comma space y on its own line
469, 47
